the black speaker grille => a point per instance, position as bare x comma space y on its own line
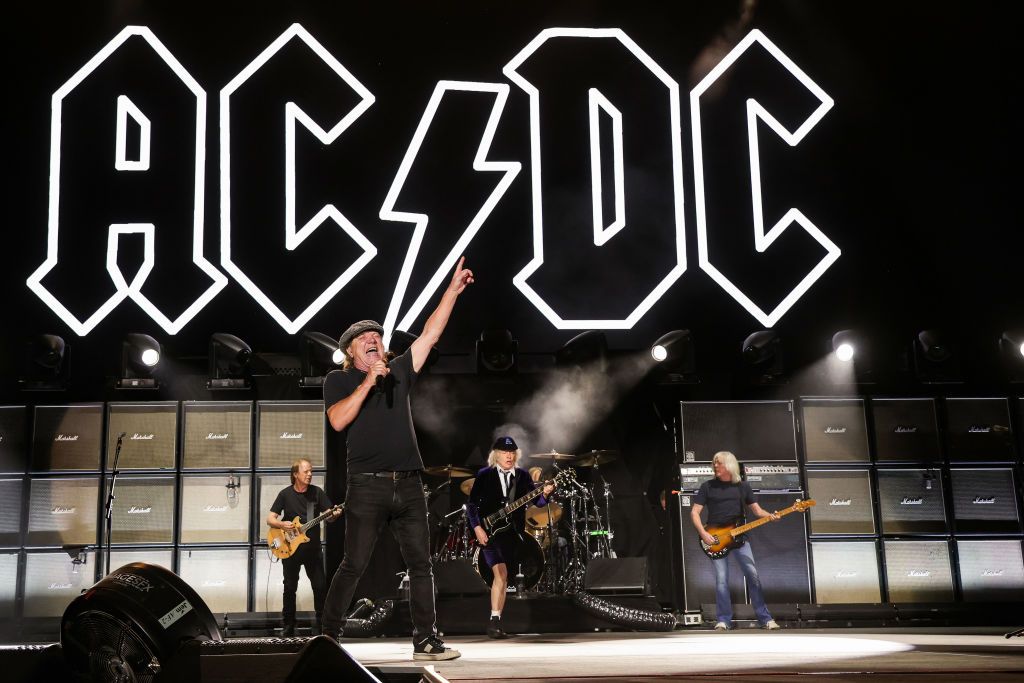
151, 435
843, 503
219, 575
846, 571
291, 430
13, 441
918, 571
978, 429
8, 583
217, 435
143, 510
215, 508
835, 431
67, 437
780, 549
10, 511
984, 501
62, 511
991, 571
52, 581
911, 501
905, 430
698, 572
752, 430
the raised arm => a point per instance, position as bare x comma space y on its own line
437, 321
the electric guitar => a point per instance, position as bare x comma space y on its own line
284, 542
725, 537
500, 521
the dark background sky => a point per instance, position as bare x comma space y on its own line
913, 173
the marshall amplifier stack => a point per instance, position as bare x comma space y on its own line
751, 430
835, 431
979, 430
67, 438
906, 430
773, 477
217, 435
150, 435
290, 430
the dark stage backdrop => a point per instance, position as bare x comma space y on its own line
264, 168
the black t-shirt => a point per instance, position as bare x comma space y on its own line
726, 501
382, 435
306, 505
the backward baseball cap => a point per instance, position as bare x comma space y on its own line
356, 329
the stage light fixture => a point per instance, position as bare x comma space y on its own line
674, 354
586, 349
935, 358
228, 362
844, 344
1011, 349
45, 365
1015, 341
140, 354
496, 353
319, 355
762, 351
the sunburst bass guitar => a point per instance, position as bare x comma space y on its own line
284, 542
725, 537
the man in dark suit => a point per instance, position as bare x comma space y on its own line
497, 485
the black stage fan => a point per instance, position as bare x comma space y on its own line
131, 624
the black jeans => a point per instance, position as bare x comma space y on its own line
372, 502
308, 555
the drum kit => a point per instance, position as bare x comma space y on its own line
559, 538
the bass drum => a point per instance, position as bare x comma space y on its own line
529, 558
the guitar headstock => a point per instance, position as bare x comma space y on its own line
803, 505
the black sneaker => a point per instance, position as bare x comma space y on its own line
494, 629
433, 648
288, 631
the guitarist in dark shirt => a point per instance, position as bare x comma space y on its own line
303, 500
495, 486
725, 497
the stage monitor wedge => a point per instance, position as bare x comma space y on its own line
834, 430
150, 435
67, 437
979, 430
289, 430
751, 430
906, 430
13, 439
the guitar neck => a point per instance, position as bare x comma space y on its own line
761, 520
514, 505
316, 520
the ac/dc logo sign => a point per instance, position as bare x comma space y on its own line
140, 134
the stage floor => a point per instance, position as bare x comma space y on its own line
743, 655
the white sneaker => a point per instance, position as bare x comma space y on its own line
771, 625
722, 626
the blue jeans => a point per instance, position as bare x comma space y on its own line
745, 557
370, 503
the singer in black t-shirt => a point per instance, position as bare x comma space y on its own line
303, 500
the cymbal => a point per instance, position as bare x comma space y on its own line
553, 455
467, 485
597, 458
448, 471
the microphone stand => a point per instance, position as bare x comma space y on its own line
108, 507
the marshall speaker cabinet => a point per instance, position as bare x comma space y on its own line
911, 501
8, 583
780, 549
219, 575
978, 430
698, 572
918, 571
905, 430
13, 439
984, 501
835, 430
991, 570
67, 437
150, 435
53, 579
63, 511
846, 571
143, 510
290, 430
215, 508
752, 430
217, 435
10, 510
843, 502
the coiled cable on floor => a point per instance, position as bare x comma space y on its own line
372, 625
630, 617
